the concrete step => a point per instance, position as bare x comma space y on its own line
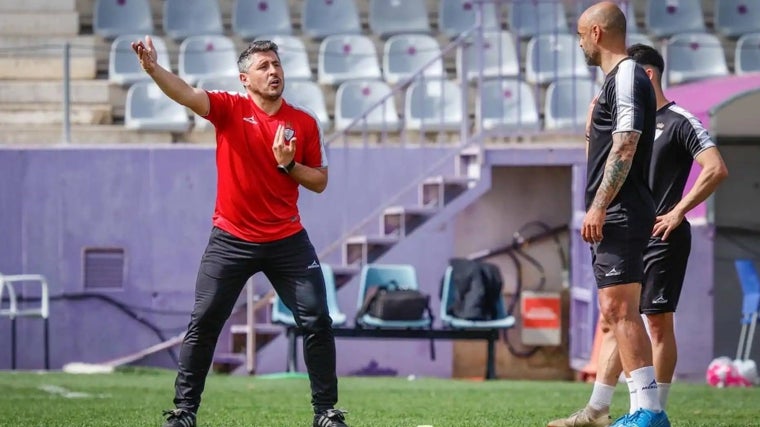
82, 134
364, 249
47, 68
52, 114
40, 24
51, 92
38, 6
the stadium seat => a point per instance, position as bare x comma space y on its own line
373, 275
458, 16
322, 18
433, 106
185, 18
391, 17
308, 94
15, 309
252, 18
347, 57
502, 321
202, 57
567, 102
113, 18
293, 56
499, 56
406, 54
665, 18
693, 57
354, 98
639, 38
750, 283
530, 18
147, 108
282, 315
225, 84
747, 56
734, 18
507, 104
124, 68
551, 57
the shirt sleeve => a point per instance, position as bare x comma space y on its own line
627, 101
694, 136
220, 106
315, 155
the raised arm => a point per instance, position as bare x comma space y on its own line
173, 86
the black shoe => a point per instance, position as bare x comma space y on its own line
330, 418
180, 418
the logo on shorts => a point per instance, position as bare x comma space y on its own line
613, 272
660, 300
313, 264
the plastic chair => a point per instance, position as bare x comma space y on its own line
147, 108
13, 311
458, 16
309, 95
528, 18
113, 18
355, 98
375, 275
391, 17
507, 105
202, 57
124, 69
499, 56
433, 106
252, 18
747, 55
406, 54
347, 57
750, 283
665, 18
694, 57
567, 102
550, 57
322, 18
502, 321
734, 18
282, 315
186, 18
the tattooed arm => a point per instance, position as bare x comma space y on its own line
615, 171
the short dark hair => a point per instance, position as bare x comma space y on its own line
647, 55
244, 60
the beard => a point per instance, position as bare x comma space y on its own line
592, 58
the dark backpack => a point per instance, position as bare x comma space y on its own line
391, 302
476, 289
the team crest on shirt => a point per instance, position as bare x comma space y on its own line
289, 133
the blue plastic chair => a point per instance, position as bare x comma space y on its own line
503, 320
750, 282
375, 275
283, 316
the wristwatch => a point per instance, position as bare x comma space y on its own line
287, 168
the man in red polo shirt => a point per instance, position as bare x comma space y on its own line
266, 148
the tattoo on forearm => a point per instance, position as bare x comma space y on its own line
617, 167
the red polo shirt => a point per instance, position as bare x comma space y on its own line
255, 201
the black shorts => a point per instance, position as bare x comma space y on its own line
618, 258
664, 271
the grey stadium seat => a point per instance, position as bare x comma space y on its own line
747, 55
433, 106
202, 57
112, 18
552, 57
694, 56
185, 18
567, 102
734, 18
347, 57
458, 16
147, 108
665, 18
528, 18
252, 18
406, 54
355, 98
123, 66
390, 17
499, 56
507, 104
322, 18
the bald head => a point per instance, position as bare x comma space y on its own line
608, 16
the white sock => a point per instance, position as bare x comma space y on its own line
601, 396
632, 395
664, 390
646, 388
